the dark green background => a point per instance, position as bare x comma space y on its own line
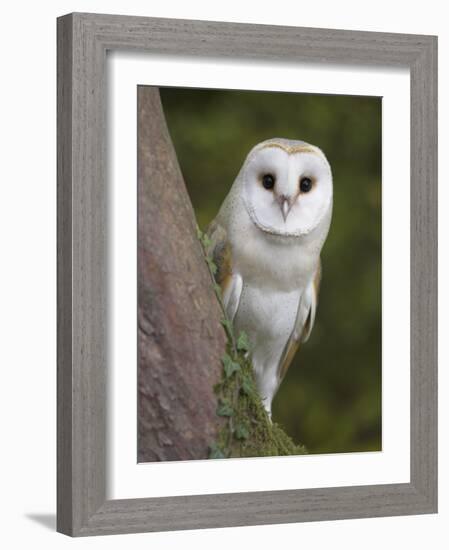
331, 398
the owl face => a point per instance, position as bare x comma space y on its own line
287, 187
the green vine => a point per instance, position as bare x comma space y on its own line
247, 430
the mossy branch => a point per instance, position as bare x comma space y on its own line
248, 431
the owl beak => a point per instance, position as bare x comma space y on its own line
285, 207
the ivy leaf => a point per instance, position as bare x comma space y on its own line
230, 368
243, 342
241, 431
229, 365
226, 358
225, 409
228, 326
206, 241
216, 452
211, 265
199, 233
247, 386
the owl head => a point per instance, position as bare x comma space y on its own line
287, 187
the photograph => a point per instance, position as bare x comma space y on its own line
247, 273
283, 194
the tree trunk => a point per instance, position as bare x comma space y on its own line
180, 338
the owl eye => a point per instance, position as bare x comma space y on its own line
268, 181
305, 185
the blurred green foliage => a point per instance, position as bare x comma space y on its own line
331, 398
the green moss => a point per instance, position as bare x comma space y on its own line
247, 432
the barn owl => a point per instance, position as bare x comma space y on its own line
266, 242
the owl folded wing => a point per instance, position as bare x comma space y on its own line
230, 282
305, 319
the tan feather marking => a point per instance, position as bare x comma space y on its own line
291, 350
293, 344
317, 280
292, 149
224, 283
220, 252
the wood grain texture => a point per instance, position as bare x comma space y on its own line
256, 508
83, 40
180, 337
64, 277
423, 273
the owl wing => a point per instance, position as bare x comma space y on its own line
305, 319
230, 282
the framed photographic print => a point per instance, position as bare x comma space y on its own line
247, 283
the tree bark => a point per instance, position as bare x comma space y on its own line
180, 338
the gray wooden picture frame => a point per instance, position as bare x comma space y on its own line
83, 40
